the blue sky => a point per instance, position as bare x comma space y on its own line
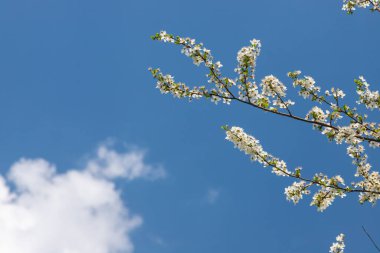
74, 75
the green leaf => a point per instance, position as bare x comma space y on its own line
225, 127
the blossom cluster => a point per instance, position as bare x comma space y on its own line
246, 58
350, 5
356, 127
272, 87
335, 93
371, 99
248, 90
252, 147
328, 188
306, 84
166, 84
371, 180
199, 54
318, 115
338, 246
296, 191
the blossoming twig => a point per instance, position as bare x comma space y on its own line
330, 188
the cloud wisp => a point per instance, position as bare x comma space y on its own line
78, 211
212, 196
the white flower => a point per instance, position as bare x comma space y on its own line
371, 99
296, 191
338, 246
317, 114
246, 58
307, 85
272, 87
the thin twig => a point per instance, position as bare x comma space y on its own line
370, 238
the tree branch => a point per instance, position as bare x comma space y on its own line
370, 238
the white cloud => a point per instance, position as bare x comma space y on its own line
78, 211
130, 165
212, 196
158, 240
